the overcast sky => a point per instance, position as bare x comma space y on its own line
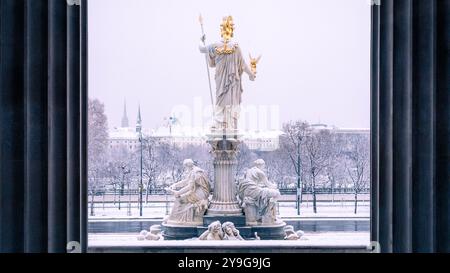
315, 64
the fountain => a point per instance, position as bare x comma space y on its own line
249, 205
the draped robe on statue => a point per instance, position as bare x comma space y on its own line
228, 77
257, 190
192, 203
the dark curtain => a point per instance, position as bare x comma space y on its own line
410, 125
43, 125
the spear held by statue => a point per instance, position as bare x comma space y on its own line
200, 19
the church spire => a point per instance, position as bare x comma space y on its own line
139, 120
125, 117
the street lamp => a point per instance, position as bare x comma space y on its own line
139, 130
125, 171
129, 198
167, 184
299, 177
141, 186
111, 182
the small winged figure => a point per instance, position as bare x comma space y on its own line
254, 62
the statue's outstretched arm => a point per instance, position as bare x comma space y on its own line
247, 69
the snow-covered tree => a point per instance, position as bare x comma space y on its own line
318, 150
245, 159
293, 142
358, 163
97, 148
279, 168
119, 168
335, 171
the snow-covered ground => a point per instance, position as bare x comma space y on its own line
286, 210
329, 239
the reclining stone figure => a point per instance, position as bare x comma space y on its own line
218, 232
230, 232
214, 232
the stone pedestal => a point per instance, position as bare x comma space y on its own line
238, 221
270, 232
224, 201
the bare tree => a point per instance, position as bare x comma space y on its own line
335, 171
245, 159
172, 160
151, 163
279, 167
171, 157
201, 156
96, 182
121, 169
357, 163
113, 177
292, 143
120, 159
318, 156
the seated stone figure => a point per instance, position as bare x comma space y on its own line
191, 197
258, 196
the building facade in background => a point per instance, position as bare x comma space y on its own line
263, 141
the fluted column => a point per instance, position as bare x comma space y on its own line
43, 110
224, 201
410, 147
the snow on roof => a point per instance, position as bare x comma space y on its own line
123, 133
199, 132
179, 131
184, 132
353, 130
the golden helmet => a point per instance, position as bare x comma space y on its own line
227, 28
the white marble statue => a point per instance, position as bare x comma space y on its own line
214, 232
230, 232
292, 235
221, 232
226, 57
258, 196
154, 234
191, 197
